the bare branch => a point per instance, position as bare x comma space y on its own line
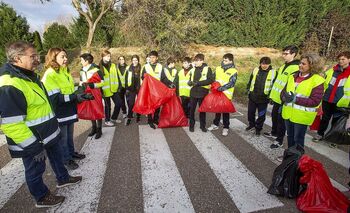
88, 8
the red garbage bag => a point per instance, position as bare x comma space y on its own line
320, 195
316, 124
93, 109
172, 114
216, 101
151, 96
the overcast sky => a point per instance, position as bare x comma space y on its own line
38, 14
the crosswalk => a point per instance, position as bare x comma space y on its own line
179, 171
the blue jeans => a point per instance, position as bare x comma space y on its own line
295, 133
66, 141
34, 171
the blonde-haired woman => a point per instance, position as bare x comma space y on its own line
302, 97
59, 84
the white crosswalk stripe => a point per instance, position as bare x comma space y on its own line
163, 188
2, 140
246, 191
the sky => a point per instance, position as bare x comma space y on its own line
38, 14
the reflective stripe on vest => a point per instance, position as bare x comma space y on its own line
60, 120
297, 113
154, 73
203, 75
223, 77
268, 81
281, 81
184, 89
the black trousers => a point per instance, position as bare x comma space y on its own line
155, 117
202, 115
122, 97
185, 101
262, 108
130, 99
278, 123
329, 111
108, 106
225, 119
96, 124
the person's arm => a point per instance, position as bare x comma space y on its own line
315, 97
143, 73
164, 79
13, 111
230, 84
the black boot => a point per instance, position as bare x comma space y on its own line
98, 133
93, 131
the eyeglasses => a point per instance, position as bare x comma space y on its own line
34, 56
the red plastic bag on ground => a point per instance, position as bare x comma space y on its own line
172, 114
320, 195
93, 109
151, 96
216, 101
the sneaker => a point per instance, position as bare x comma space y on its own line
49, 200
213, 127
109, 123
71, 165
204, 129
124, 115
116, 121
276, 144
224, 132
317, 138
71, 181
257, 132
127, 122
333, 145
249, 128
77, 156
279, 158
191, 128
152, 125
270, 135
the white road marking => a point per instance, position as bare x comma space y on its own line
237, 114
11, 179
84, 197
246, 191
163, 187
2, 140
336, 155
262, 144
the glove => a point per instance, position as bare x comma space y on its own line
172, 86
195, 83
39, 157
220, 89
190, 83
288, 97
91, 85
271, 102
88, 96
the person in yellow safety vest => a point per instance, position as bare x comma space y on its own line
302, 97
226, 75
110, 88
121, 70
87, 71
182, 89
170, 70
59, 84
132, 86
258, 89
29, 123
200, 80
291, 66
155, 70
337, 94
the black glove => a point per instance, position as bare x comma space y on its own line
288, 97
39, 157
221, 89
91, 85
190, 83
195, 83
172, 86
88, 96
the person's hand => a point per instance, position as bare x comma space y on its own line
91, 85
88, 96
172, 86
39, 157
195, 83
271, 102
190, 83
288, 97
220, 89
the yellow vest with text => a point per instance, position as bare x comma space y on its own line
268, 81
297, 113
345, 100
223, 78
203, 75
184, 89
281, 81
110, 79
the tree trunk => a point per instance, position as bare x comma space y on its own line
92, 28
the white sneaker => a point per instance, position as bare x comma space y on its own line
109, 123
124, 115
224, 132
213, 127
116, 121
